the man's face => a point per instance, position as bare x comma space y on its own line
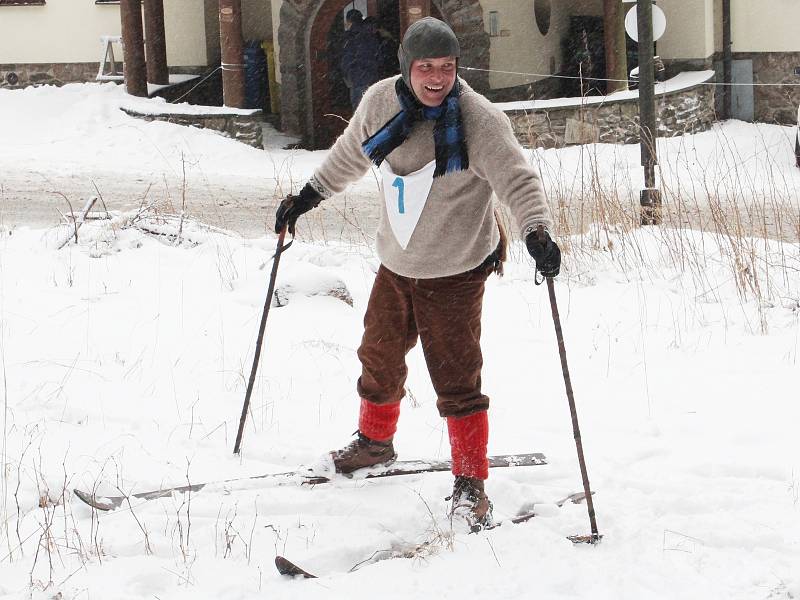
433, 78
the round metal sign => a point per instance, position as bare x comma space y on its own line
659, 23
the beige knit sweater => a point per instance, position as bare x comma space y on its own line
457, 228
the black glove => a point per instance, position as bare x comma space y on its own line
545, 252
293, 206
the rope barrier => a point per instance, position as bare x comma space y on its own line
199, 83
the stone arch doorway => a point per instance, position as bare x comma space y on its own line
330, 102
312, 106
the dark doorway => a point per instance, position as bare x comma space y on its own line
584, 57
329, 94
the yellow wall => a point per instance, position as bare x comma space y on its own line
521, 47
184, 21
37, 34
690, 28
66, 31
765, 26
756, 26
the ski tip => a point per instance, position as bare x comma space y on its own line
575, 498
93, 501
289, 569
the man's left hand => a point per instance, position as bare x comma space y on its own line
545, 252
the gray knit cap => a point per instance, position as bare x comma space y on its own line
426, 38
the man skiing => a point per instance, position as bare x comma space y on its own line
442, 149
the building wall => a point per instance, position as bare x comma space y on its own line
257, 19
36, 34
589, 8
184, 22
64, 31
690, 29
765, 26
521, 47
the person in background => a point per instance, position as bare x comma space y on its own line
361, 56
388, 48
442, 150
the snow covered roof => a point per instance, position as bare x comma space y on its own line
682, 81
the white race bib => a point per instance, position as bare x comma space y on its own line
405, 197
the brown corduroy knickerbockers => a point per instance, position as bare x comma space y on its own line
445, 313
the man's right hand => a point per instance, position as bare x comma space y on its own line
293, 206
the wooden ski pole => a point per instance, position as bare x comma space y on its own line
270, 291
595, 536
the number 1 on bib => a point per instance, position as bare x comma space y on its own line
399, 184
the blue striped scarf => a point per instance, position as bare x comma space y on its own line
448, 131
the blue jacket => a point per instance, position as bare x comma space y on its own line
361, 56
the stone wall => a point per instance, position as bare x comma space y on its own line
243, 128
775, 104
21, 75
616, 122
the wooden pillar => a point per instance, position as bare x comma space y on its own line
134, 68
727, 59
650, 196
614, 39
411, 11
155, 42
232, 46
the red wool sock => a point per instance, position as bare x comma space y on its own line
469, 437
378, 421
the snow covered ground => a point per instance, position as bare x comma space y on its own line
124, 360
73, 141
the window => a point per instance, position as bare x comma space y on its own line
21, 2
494, 23
541, 9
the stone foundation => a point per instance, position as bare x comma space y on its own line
771, 103
243, 128
20, 75
614, 122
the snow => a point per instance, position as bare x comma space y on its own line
124, 360
173, 79
681, 81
